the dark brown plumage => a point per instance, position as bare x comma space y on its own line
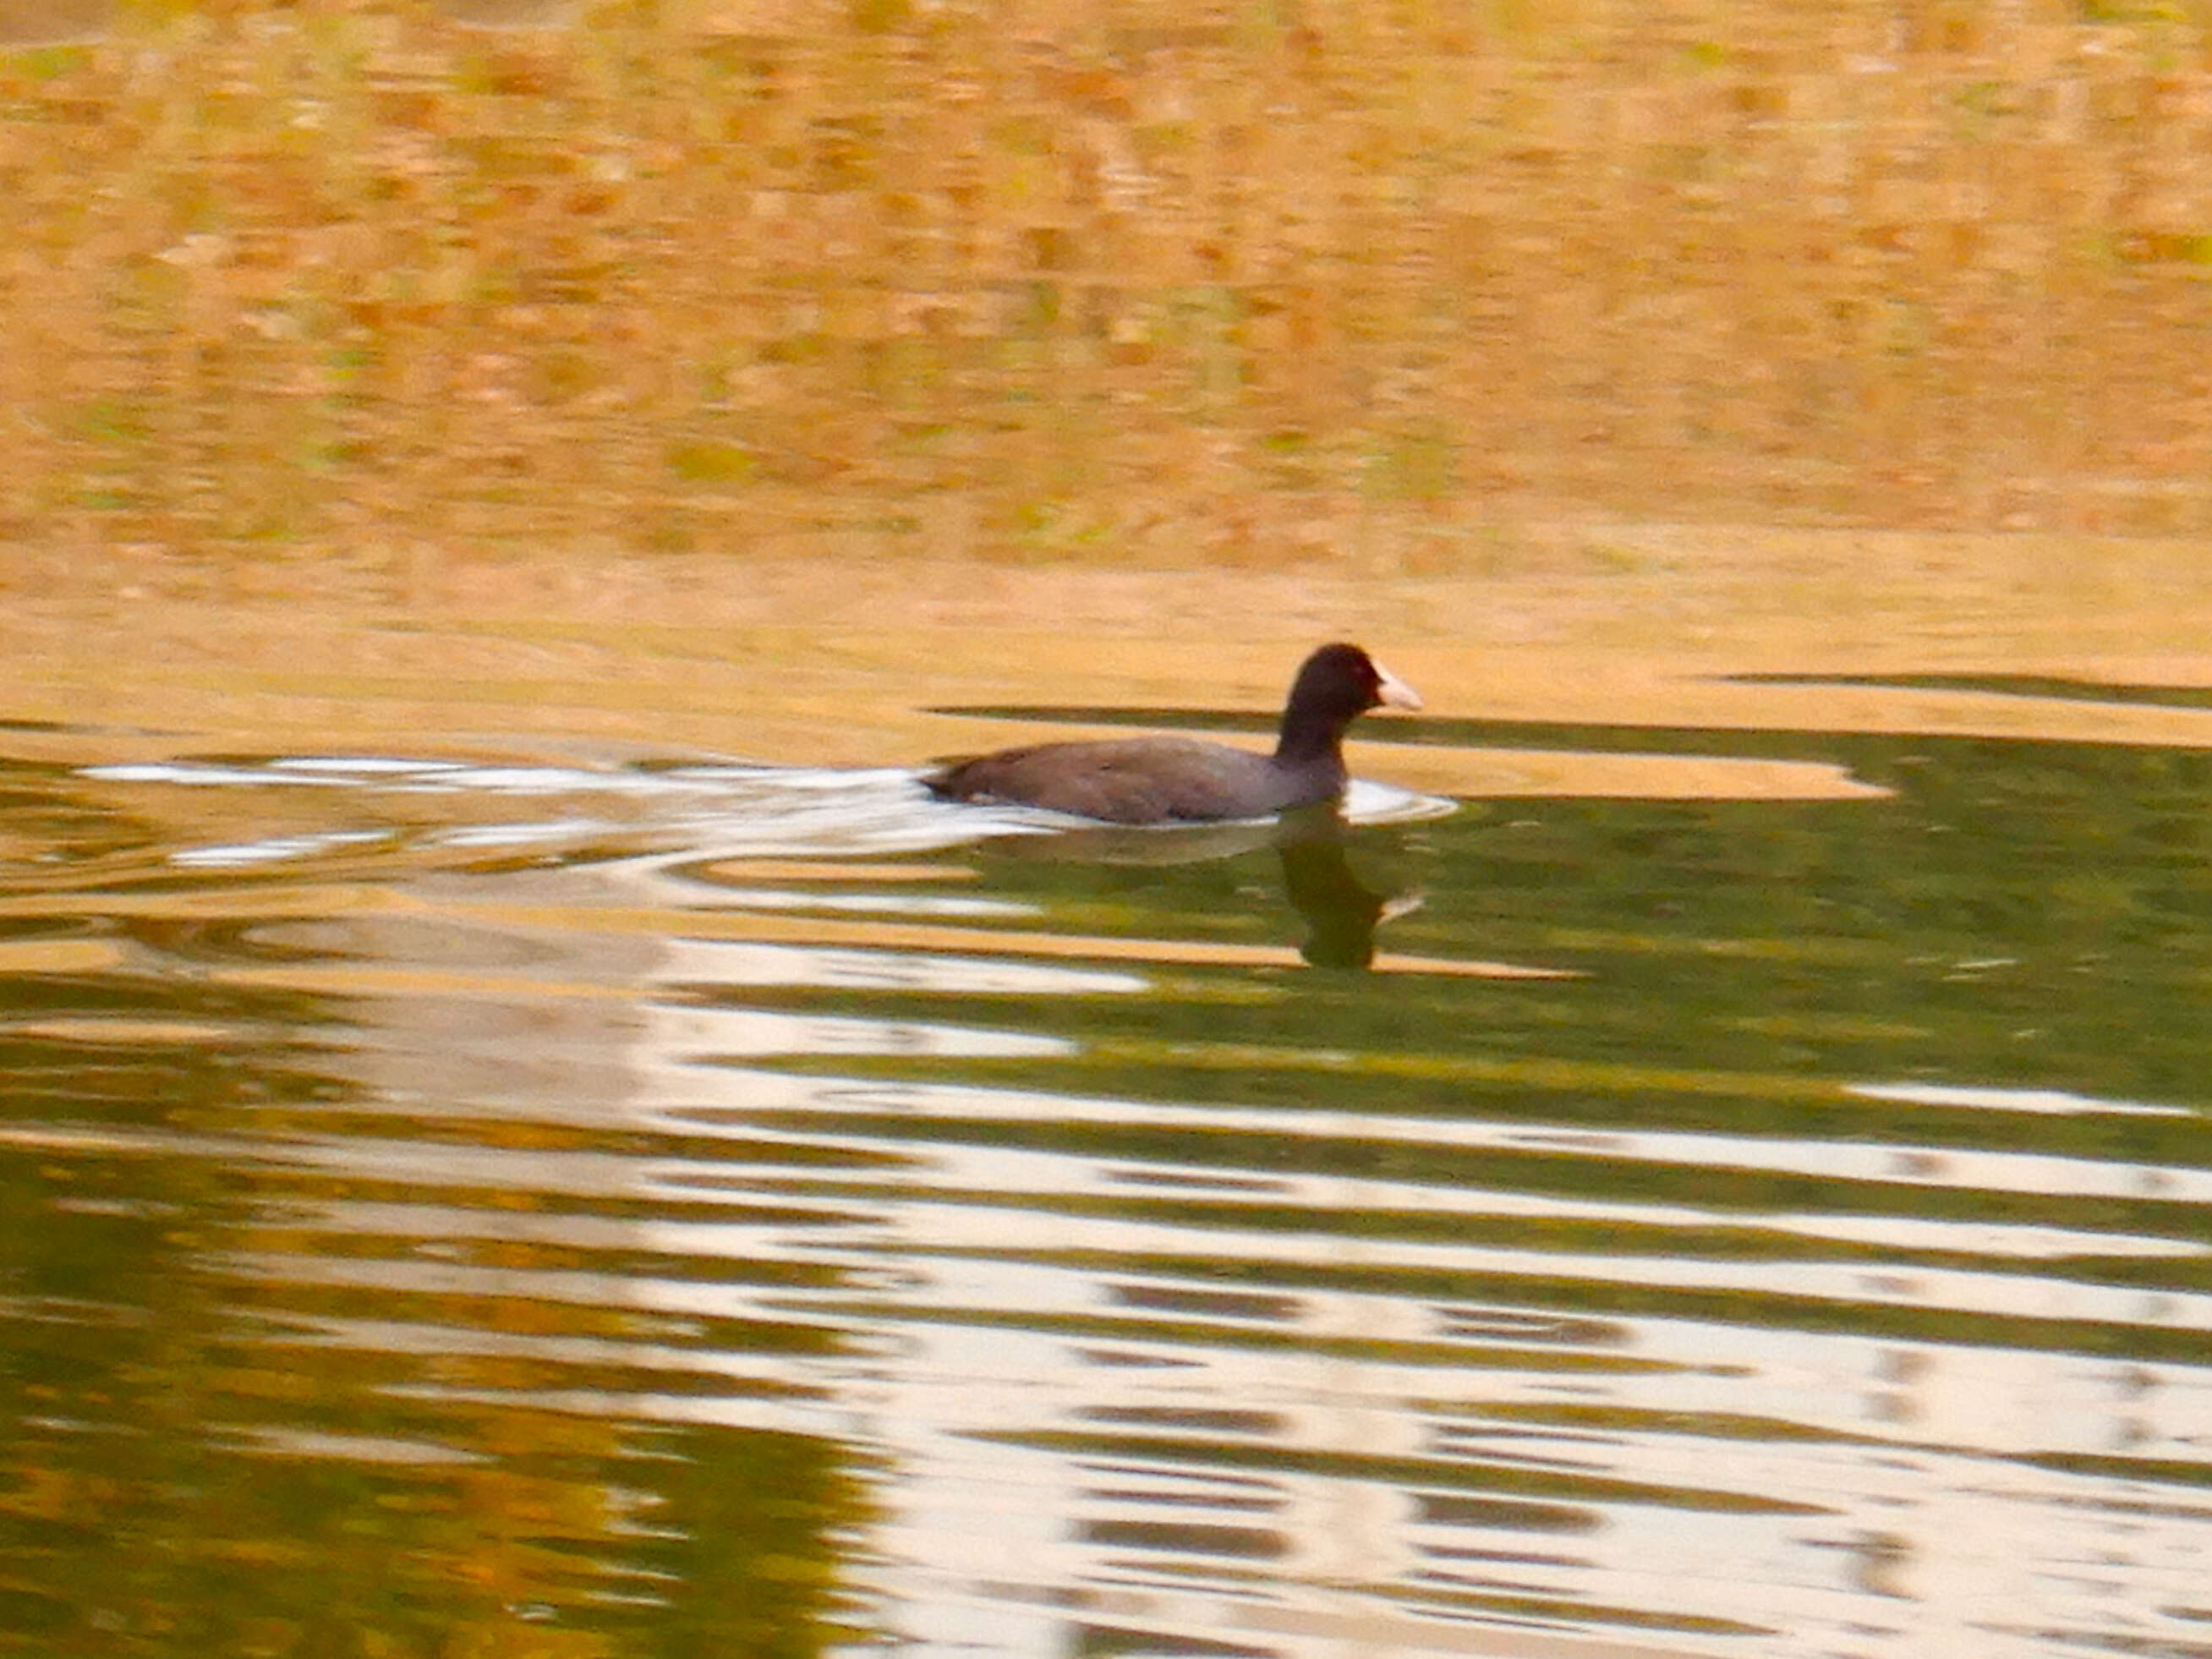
1185, 780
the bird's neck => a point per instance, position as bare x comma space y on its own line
1299, 741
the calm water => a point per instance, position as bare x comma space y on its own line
624, 1203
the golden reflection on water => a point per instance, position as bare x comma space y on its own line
780, 664
1372, 285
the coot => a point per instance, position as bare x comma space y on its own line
1184, 780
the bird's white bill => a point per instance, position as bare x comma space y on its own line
1394, 691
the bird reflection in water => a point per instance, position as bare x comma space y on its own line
1340, 910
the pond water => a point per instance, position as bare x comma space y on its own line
480, 1179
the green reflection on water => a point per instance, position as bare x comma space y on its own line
269, 1390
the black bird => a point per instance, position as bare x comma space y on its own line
1184, 780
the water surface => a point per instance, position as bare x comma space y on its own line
1647, 1185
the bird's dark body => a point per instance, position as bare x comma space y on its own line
1140, 781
